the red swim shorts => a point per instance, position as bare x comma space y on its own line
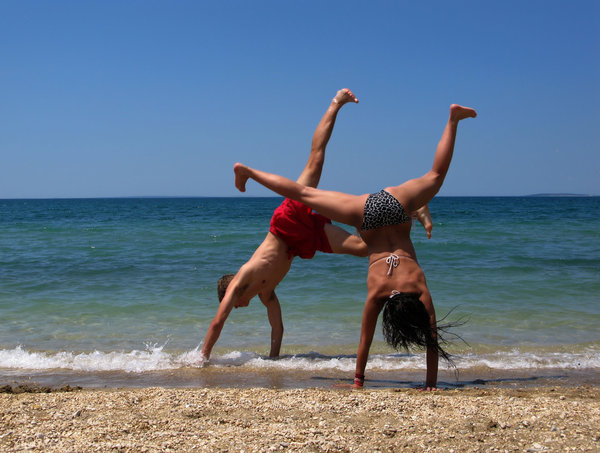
300, 228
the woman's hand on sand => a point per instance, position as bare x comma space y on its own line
347, 386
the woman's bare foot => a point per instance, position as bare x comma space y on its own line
458, 112
241, 176
343, 96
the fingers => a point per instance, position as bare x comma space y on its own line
347, 386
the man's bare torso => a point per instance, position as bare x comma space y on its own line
262, 273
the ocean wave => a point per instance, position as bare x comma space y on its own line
154, 358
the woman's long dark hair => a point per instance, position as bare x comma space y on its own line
406, 323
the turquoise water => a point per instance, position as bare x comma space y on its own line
130, 285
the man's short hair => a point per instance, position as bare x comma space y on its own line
222, 285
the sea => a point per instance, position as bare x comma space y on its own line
119, 293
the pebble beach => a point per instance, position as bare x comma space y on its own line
257, 419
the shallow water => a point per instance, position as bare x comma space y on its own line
129, 286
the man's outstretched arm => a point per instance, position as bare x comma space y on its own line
216, 325
276, 322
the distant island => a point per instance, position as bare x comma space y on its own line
559, 195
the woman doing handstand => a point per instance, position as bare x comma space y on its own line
395, 281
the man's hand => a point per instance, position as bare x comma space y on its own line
427, 389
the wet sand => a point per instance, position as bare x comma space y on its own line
254, 377
313, 419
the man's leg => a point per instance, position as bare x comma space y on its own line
343, 242
311, 174
424, 216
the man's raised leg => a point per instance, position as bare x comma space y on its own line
311, 174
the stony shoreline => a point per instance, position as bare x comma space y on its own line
258, 419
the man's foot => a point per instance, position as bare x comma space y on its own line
458, 112
423, 215
241, 176
343, 96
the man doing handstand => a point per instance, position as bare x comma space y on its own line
295, 231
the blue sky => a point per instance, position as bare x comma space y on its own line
128, 98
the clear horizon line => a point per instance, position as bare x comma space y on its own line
533, 195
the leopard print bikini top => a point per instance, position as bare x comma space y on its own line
382, 209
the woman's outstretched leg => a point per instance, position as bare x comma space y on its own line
338, 206
417, 192
445, 148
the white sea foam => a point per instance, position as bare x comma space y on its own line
134, 361
154, 358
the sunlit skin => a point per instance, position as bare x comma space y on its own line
381, 242
270, 263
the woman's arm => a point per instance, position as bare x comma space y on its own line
432, 355
432, 369
367, 330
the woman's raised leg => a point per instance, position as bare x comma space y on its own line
338, 206
417, 192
